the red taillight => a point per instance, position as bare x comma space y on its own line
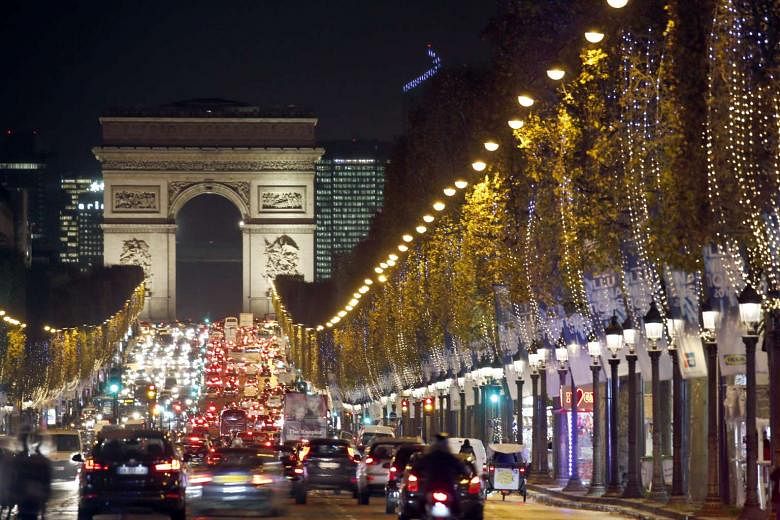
369, 460
91, 465
475, 485
439, 496
170, 465
267, 443
412, 484
393, 470
522, 470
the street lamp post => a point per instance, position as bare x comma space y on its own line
654, 330
614, 335
519, 365
750, 315
544, 465
461, 379
710, 321
597, 478
561, 444
533, 361
633, 487
675, 326
574, 484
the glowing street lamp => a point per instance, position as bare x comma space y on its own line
460, 184
378, 270
617, 4
594, 36
368, 281
450, 191
428, 218
421, 229
525, 101
407, 237
491, 146
403, 248
438, 205
363, 289
515, 124
479, 165
556, 73
393, 256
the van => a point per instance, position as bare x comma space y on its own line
60, 446
369, 433
480, 454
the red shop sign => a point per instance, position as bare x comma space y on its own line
584, 399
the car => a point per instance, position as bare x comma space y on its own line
195, 447
470, 496
243, 479
370, 432
132, 469
60, 446
396, 473
373, 469
328, 464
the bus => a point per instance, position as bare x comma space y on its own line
232, 420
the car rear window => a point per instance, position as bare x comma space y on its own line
383, 451
368, 437
66, 442
328, 450
405, 453
133, 447
243, 458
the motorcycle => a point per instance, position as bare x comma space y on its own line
440, 504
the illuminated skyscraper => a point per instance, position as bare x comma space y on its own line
350, 183
81, 238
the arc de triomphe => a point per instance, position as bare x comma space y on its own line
154, 161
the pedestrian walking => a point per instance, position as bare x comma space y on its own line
32, 478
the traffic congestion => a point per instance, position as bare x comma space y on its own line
202, 420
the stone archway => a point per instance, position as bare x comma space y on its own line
208, 257
153, 164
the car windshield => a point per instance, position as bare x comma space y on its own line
133, 447
366, 438
328, 450
383, 451
67, 442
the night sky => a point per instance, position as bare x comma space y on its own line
63, 63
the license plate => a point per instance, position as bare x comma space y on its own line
329, 465
132, 470
231, 479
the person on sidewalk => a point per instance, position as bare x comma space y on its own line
33, 479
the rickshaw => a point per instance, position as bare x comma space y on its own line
507, 470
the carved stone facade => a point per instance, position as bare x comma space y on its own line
146, 186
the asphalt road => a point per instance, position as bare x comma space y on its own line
326, 506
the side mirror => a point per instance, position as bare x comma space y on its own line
77, 458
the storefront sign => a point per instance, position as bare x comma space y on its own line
584, 399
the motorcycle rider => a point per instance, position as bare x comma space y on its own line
439, 469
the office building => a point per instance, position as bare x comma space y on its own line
350, 180
81, 238
25, 178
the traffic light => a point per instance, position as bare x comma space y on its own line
428, 405
151, 392
405, 406
114, 382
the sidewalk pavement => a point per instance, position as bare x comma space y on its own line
631, 507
